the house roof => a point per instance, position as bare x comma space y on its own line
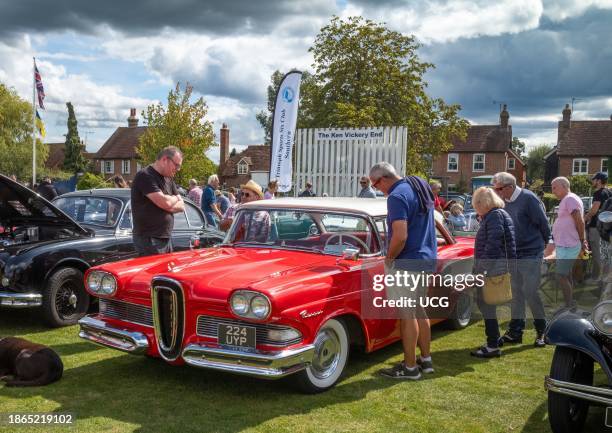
122, 144
515, 155
56, 155
585, 138
484, 138
257, 156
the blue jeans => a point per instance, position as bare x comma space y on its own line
210, 219
150, 246
489, 315
525, 289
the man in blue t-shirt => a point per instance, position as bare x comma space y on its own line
209, 201
412, 248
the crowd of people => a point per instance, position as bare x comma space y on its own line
514, 237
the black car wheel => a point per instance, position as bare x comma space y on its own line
65, 299
462, 312
567, 414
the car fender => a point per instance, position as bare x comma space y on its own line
574, 331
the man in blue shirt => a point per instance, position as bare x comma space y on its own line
412, 248
532, 233
209, 201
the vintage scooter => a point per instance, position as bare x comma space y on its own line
581, 339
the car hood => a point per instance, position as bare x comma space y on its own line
214, 272
19, 205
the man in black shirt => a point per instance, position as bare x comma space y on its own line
155, 200
600, 195
46, 189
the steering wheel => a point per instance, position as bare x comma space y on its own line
366, 250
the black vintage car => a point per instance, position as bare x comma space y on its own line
582, 339
46, 247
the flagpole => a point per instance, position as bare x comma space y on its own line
33, 121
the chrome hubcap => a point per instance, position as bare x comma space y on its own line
327, 354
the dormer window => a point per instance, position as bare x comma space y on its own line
243, 167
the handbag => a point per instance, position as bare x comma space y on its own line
497, 290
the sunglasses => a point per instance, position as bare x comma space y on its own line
376, 182
247, 194
499, 188
363, 182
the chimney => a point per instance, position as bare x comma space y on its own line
224, 144
503, 117
132, 120
567, 114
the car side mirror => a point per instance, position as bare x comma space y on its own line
350, 254
194, 242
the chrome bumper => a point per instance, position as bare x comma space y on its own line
263, 365
101, 333
585, 392
20, 300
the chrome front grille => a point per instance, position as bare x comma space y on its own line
208, 326
126, 311
168, 316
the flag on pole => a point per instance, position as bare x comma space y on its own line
284, 120
40, 125
39, 87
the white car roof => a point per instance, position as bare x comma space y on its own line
368, 206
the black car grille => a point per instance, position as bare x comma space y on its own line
208, 326
126, 311
168, 316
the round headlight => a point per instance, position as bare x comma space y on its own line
240, 304
260, 306
93, 281
602, 317
108, 285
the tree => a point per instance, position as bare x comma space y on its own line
16, 136
580, 184
181, 124
536, 163
518, 146
74, 160
368, 75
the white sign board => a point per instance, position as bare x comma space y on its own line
349, 134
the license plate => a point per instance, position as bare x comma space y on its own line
236, 335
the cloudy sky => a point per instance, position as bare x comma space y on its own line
105, 57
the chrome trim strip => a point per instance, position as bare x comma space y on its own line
584, 392
268, 365
101, 333
20, 300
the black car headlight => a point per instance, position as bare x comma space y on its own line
102, 283
250, 304
602, 317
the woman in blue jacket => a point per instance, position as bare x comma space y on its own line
494, 253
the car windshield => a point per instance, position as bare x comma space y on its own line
97, 211
321, 232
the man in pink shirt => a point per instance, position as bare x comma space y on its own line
195, 192
568, 234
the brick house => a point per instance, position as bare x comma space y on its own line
583, 147
251, 163
485, 151
118, 154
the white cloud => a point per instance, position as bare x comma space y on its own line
559, 10
443, 21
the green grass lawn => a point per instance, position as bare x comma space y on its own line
109, 391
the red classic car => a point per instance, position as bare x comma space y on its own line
282, 295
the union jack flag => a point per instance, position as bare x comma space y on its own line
39, 87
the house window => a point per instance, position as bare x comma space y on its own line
453, 162
109, 167
125, 169
511, 163
604, 165
243, 168
138, 167
478, 162
452, 187
580, 166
